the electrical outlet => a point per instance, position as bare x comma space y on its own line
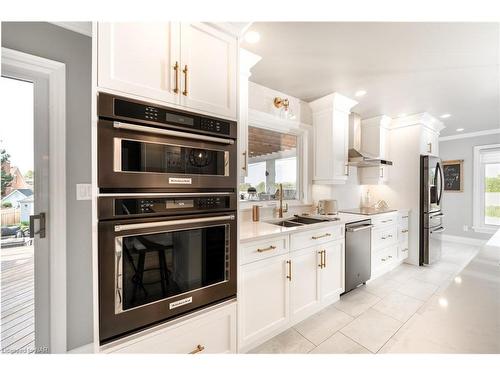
466, 228
83, 192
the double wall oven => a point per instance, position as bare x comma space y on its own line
167, 213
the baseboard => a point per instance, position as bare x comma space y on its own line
84, 349
465, 240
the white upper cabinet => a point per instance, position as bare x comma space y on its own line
209, 69
139, 58
331, 138
429, 142
192, 65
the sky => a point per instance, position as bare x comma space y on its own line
16, 126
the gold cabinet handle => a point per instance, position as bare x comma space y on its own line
289, 276
405, 217
404, 231
199, 348
429, 148
324, 258
383, 259
245, 161
176, 71
346, 169
323, 235
405, 250
381, 172
185, 71
269, 248
320, 265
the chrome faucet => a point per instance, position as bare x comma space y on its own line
281, 209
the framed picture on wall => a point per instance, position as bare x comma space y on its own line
453, 175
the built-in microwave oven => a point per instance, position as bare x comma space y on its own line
145, 147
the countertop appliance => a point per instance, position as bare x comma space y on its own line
150, 148
163, 255
431, 215
358, 254
367, 210
327, 207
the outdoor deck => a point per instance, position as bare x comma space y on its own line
17, 300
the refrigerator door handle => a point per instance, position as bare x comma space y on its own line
441, 183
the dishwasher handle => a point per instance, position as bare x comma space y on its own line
357, 228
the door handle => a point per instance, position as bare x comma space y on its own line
199, 348
185, 71
176, 72
245, 161
42, 230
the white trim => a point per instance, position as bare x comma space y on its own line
424, 118
463, 240
55, 72
84, 28
477, 186
84, 349
469, 135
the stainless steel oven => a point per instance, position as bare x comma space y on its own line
144, 147
163, 255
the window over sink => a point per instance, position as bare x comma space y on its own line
273, 159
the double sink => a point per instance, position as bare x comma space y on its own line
298, 221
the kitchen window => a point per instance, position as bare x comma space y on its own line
487, 188
274, 158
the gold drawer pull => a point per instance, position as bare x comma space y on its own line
199, 348
386, 221
323, 235
389, 257
266, 249
383, 259
404, 217
404, 231
405, 250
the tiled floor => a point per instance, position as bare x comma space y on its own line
371, 318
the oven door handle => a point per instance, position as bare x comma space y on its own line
155, 224
173, 133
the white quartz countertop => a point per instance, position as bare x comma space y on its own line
256, 230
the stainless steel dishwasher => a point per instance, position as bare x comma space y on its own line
358, 252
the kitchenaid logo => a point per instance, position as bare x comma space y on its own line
178, 180
180, 302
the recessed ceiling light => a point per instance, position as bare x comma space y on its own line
252, 37
460, 129
446, 115
443, 302
458, 280
360, 93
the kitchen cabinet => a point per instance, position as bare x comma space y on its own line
304, 288
429, 142
332, 272
263, 299
191, 65
209, 332
331, 138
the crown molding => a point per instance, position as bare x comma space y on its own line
333, 101
84, 28
383, 121
424, 118
469, 135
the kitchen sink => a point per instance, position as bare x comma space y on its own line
298, 221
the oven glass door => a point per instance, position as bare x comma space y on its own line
154, 266
132, 155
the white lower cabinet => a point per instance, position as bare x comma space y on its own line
332, 274
208, 332
304, 288
277, 292
263, 298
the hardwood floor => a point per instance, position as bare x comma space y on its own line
17, 300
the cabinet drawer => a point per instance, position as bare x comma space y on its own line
316, 237
213, 332
381, 238
379, 221
403, 235
383, 258
257, 250
403, 250
403, 220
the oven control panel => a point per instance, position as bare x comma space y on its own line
154, 205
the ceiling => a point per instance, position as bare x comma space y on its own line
405, 68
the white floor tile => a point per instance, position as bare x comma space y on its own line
418, 289
398, 306
322, 325
356, 302
339, 344
381, 286
290, 342
372, 329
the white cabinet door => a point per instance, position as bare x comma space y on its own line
209, 69
139, 58
263, 298
340, 145
332, 273
304, 287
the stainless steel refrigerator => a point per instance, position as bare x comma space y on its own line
431, 214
